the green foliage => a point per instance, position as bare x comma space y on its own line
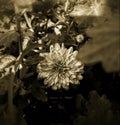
98, 111
8, 37
26, 34
6, 8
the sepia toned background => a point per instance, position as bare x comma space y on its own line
99, 91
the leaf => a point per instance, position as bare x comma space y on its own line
43, 5
22, 5
97, 107
7, 38
3, 86
104, 45
6, 7
5, 83
33, 59
63, 38
6, 61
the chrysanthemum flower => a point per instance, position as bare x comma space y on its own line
60, 67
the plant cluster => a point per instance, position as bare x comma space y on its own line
29, 34
38, 51
39, 47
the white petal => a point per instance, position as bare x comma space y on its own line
50, 23
73, 76
78, 64
75, 53
58, 85
80, 77
65, 86
54, 87
59, 26
43, 54
57, 31
75, 81
56, 79
51, 48
71, 72
63, 47
57, 46
70, 50
43, 74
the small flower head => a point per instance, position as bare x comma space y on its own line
60, 67
79, 38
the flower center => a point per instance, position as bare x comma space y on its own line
60, 67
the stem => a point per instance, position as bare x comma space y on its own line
25, 52
28, 21
69, 27
20, 40
11, 79
11, 115
66, 5
20, 32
